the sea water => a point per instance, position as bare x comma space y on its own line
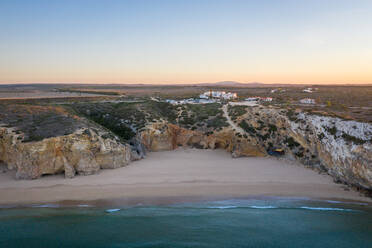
264, 222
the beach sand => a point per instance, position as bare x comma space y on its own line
183, 173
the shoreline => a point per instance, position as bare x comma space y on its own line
169, 201
182, 174
169, 194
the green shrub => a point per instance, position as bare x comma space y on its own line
291, 142
353, 139
246, 127
331, 130
272, 128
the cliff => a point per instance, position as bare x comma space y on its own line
83, 152
342, 148
164, 136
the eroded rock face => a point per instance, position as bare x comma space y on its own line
84, 152
164, 136
340, 147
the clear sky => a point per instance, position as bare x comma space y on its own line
190, 41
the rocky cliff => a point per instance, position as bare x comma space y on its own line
83, 152
342, 148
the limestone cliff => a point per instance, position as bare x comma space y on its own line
83, 152
340, 147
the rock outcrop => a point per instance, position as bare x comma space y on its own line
165, 136
84, 152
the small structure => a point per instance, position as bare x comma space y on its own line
253, 99
308, 90
267, 99
276, 152
307, 101
171, 101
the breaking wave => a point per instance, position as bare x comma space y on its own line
325, 209
112, 210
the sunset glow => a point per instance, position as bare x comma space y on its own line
320, 41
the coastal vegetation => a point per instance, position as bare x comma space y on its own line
236, 111
37, 122
204, 117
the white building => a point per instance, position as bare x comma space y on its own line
307, 101
308, 90
218, 94
229, 96
171, 101
253, 99
203, 96
267, 99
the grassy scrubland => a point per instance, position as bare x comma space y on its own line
204, 117
127, 109
349, 102
38, 122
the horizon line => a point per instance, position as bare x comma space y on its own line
175, 84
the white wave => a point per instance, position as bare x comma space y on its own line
334, 201
326, 209
46, 206
84, 206
112, 210
222, 207
263, 207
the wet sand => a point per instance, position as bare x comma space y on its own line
184, 173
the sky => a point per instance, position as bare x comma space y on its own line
190, 41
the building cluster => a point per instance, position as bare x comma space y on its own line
218, 94
206, 97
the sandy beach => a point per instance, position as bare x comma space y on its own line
188, 174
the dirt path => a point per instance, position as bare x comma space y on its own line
231, 123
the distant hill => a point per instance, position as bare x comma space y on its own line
231, 84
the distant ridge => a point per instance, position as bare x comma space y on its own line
210, 84
231, 84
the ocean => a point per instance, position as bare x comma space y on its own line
263, 222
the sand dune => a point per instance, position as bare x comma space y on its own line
181, 173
